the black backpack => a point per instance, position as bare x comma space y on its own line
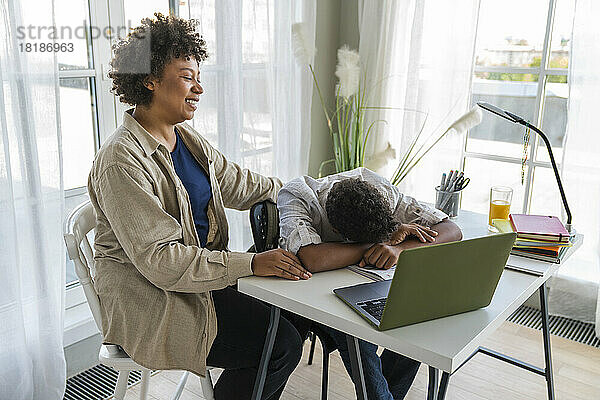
264, 221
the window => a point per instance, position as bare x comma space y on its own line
136, 10
253, 147
89, 112
521, 65
78, 102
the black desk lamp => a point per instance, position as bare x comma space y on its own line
518, 120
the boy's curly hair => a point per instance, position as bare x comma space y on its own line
359, 212
146, 51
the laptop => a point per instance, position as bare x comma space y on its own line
432, 282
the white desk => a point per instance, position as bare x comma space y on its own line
443, 344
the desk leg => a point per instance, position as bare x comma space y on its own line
546, 336
357, 371
443, 386
434, 378
259, 383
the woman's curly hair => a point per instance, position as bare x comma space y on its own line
359, 212
146, 51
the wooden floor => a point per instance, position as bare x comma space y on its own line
576, 372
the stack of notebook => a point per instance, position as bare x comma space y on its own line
539, 237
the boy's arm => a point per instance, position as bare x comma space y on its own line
328, 256
385, 256
447, 231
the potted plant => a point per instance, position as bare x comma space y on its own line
346, 123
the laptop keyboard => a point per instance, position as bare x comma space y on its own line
373, 307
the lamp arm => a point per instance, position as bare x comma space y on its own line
556, 174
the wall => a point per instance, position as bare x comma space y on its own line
82, 355
336, 25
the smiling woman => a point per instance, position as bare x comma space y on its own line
159, 190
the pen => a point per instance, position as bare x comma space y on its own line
449, 180
452, 181
452, 186
443, 184
457, 177
448, 189
448, 197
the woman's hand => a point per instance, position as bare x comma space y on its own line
423, 233
279, 262
381, 255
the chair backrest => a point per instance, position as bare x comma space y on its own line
264, 221
79, 223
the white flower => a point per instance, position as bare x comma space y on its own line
348, 71
381, 159
304, 49
467, 121
347, 57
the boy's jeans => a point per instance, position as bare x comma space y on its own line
388, 377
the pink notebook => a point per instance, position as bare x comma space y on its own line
539, 227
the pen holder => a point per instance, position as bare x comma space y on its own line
448, 202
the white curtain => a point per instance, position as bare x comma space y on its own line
256, 103
377, 24
420, 55
32, 280
574, 291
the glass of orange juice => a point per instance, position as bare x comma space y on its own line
500, 199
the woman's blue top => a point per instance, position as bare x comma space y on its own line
196, 182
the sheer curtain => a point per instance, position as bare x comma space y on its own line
256, 103
377, 24
419, 56
574, 292
32, 364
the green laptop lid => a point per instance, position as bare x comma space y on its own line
445, 279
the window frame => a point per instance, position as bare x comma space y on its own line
79, 323
543, 72
104, 116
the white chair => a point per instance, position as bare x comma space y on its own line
79, 223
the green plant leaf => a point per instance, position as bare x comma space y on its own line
324, 163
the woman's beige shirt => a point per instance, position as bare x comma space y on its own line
152, 276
